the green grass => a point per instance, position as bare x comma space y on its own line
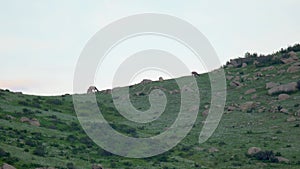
65, 141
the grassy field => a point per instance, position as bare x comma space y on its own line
60, 141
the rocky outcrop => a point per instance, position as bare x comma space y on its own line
248, 106
92, 89
32, 121
97, 166
282, 159
283, 97
7, 166
285, 88
250, 91
294, 68
146, 81
253, 150
270, 85
268, 68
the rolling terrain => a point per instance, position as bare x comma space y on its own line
260, 127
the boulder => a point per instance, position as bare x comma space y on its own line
293, 55
146, 81
254, 96
255, 63
213, 149
236, 84
268, 68
161, 79
294, 68
282, 160
231, 108
291, 119
7, 166
271, 85
229, 77
283, 96
250, 91
24, 119
97, 166
34, 122
253, 150
297, 113
285, 111
244, 65
247, 106
9, 117
285, 88
259, 74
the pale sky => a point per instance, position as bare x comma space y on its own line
40, 41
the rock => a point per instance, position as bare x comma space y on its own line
285, 88
283, 96
229, 77
253, 150
107, 91
234, 63
213, 149
297, 113
247, 106
97, 166
271, 85
244, 65
293, 55
254, 96
283, 110
10, 117
250, 91
231, 108
281, 71
7, 166
92, 89
294, 68
146, 81
161, 79
237, 78
205, 112
268, 68
282, 160
259, 74
24, 119
292, 59
261, 110
235, 84
174, 91
291, 119
255, 63
34, 122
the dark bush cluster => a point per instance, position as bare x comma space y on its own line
266, 156
55, 102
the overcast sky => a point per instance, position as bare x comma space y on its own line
40, 41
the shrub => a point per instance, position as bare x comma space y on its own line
265, 156
4, 153
40, 151
298, 84
70, 166
55, 101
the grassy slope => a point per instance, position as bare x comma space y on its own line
63, 140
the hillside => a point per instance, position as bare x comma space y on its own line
262, 110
